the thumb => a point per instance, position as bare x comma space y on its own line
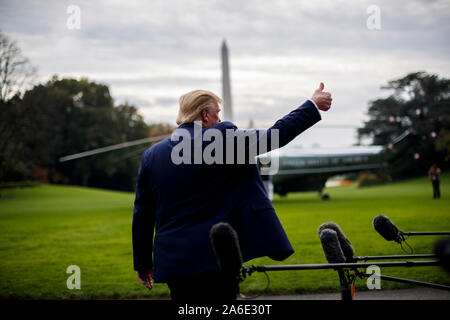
321, 87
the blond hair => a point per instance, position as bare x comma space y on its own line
192, 104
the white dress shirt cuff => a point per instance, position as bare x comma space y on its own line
314, 104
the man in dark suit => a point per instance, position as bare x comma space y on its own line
177, 202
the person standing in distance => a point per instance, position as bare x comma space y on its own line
177, 204
434, 174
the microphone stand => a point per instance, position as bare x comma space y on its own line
402, 280
347, 285
402, 234
404, 256
439, 233
262, 268
346, 279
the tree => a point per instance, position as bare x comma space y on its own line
420, 104
63, 117
67, 116
70, 116
15, 73
15, 70
443, 143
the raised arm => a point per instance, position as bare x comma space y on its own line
303, 117
283, 131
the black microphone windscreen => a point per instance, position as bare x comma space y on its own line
331, 247
346, 246
442, 251
225, 243
386, 228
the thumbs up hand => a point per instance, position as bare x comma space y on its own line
321, 98
321, 87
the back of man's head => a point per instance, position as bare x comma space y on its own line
192, 104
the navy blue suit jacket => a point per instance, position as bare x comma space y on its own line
176, 206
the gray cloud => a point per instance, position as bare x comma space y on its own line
151, 52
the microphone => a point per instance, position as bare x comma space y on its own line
387, 229
442, 251
225, 243
346, 247
331, 247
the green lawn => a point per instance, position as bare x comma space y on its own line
45, 229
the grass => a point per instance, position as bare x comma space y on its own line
45, 229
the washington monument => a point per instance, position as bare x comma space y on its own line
226, 86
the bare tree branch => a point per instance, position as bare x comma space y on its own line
16, 71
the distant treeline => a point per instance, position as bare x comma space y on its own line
67, 116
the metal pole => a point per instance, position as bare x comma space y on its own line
336, 266
409, 256
408, 281
346, 293
439, 233
111, 148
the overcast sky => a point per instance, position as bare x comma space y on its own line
151, 52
